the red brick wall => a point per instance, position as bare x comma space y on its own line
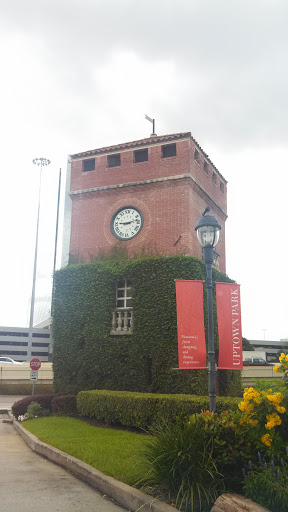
128, 172
171, 208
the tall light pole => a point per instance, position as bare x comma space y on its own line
57, 222
208, 229
37, 161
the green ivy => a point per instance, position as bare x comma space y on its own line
86, 356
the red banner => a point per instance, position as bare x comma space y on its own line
229, 326
190, 323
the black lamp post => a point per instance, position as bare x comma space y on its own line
208, 229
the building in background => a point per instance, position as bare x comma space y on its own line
143, 196
271, 349
14, 341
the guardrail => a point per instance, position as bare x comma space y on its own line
17, 372
249, 373
16, 375
16, 379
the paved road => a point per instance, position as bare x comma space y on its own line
29, 482
6, 401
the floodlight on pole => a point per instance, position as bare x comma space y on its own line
42, 162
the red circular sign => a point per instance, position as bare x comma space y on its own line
35, 364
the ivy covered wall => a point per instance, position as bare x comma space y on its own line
86, 356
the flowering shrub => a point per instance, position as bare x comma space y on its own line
263, 409
231, 439
267, 483
283, 368
233, 443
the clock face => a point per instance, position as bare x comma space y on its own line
126, 222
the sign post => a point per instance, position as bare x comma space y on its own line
35, 364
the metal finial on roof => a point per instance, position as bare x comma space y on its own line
153, 123
207, 209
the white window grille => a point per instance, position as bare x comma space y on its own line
122, 316
123, 294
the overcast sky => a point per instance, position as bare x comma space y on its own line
81, 74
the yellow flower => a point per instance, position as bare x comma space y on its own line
273, 420
276, 398
242, 406
250, 407
277, 369
246, 407
266, 439
247, 393
255, 396
252, 422
280, 409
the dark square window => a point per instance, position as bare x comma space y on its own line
206, 168
197, 156
168, 150
141, 155
214, 178
222, 186
89, 165
114, 160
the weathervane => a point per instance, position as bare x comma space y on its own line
153, 123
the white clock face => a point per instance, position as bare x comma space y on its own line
126, 222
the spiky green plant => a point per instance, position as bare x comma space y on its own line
178, 462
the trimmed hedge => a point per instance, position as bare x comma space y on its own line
65, 405
86, 356
20, 407
144, 409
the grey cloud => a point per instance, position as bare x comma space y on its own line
237, 50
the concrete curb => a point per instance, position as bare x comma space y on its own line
5, 415
123, 494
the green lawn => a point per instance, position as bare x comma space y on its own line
114, 452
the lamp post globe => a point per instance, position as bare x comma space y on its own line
208, 230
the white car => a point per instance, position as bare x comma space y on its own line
8, 360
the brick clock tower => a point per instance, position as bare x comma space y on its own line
142, 195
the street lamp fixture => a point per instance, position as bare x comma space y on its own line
208, 229
37, 161
41, 161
